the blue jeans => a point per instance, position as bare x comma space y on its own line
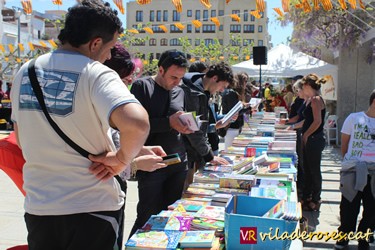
157, 190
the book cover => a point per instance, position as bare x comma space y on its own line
276, 211
236, 108
180, 223
209, 186
200, 191
155, 222
237, 181
211, 212
197, 239
206, 224
219, 168
189, 205
189, 119
154, 239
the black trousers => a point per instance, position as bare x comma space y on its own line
349, 211
157, 190
300, 171
94, 231
312, 156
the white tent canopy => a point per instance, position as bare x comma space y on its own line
284, 62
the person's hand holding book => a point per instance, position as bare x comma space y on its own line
177, 125
219, 161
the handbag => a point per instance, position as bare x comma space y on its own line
40, 97
223, 131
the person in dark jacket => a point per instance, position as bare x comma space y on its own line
163, 99
198, 88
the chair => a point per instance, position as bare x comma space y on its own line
331, 125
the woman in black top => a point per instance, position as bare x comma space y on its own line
313, 141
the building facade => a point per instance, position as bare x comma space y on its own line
249, 31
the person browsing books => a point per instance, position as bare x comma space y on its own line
72, 200
163, 99
198, 88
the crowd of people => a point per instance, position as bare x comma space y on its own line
128, 125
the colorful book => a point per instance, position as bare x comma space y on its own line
276, 211
189, 205
178, 222
210, 186
219, 168
155, 222
197, 239
237, 181
211, 212
199, 191
206, 224
154, 240
232, 191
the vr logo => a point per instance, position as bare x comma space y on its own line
248, 235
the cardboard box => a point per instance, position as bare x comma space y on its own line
244, 224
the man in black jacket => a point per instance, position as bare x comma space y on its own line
164, 102
198, 88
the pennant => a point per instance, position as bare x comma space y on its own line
316, 4
145, 62
227, 1
57, 2
180, 26
285, 5
134, 31
20, 47
6, 59
18, 60
2, 48
27, 6
327, 5
235, 17
260, 5
361, 4
197, 23
43, 44
11, 48
278, 11
206, 3
163, 27
247, 57
202, 59
31, 46
216, 21
255, 13
119, 5
306, 6
142, 2
52, 42
178, 5
353, 4
148, 30
235, 57
343, 4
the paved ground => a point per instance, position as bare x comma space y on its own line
13, 230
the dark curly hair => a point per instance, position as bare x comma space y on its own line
87, 20
172, 57
198, 66
222, 70
120, 61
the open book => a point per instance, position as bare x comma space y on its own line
232, 112
191, 120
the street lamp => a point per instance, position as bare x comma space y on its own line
17, 14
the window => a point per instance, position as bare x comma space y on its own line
235, 42
138, 42
152, 15
152, 42
205, 15
139, 16
246, 16
174, 29
189, 13
213, 13
235, 28
221, 12
260, 42
176, 16
164, 42
165, 15
252, 18
158, 16
247, 42
248, 28
174, 42
238, 12
189, 41
198, 14
208, 41
260, 28
221, 27
221, 41
156, 29
197, 30
197, 42
208, 28
188, 28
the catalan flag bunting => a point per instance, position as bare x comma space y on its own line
119, 5
227, 1
20, 47
285, 5
306, 6
52, 42
206, 3
57, 2
197, 23
164, 28
343, 4
31, 46
11, 48
235, 17
255, 13
27, 6
327, 5
178, 5
18, 60
43, 44
216, 21
2, 48
180, 26
260, 5
278, 11
316, 4
353, 4
361, 4
142, 2
134, 31
148, 30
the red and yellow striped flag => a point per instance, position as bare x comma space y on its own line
278, 11
361, 4
197, 23
206, 3
11, 48
119, 5
57, 2
285, 5
235, 17
134, 31
142, 2
20, 47
260, 5
327, 5
343, 4
31, 46
27, 6
148, 30
2, 48
255, 13
216, 21
178, 5
52, 42
180, 26
164, 28
306, 6
43, 44
316, 4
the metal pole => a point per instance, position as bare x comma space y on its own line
19, 34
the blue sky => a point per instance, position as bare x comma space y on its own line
279, 34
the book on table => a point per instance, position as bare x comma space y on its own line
197, 239
154, 240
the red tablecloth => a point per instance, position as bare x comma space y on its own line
11, 160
